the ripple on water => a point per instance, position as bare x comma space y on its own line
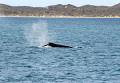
96, 62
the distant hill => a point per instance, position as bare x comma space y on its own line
61, 10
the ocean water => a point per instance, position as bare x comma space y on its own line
94, 58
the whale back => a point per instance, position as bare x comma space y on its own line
57, 45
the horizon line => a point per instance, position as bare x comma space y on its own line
58, 4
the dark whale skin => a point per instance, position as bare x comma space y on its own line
57, 45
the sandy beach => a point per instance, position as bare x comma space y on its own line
60, 17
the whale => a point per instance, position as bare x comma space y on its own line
50, 44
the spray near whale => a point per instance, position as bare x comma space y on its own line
37, 35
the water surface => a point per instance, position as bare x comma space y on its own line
98, 61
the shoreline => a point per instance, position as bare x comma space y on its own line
58, 17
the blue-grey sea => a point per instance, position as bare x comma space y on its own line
94, 58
